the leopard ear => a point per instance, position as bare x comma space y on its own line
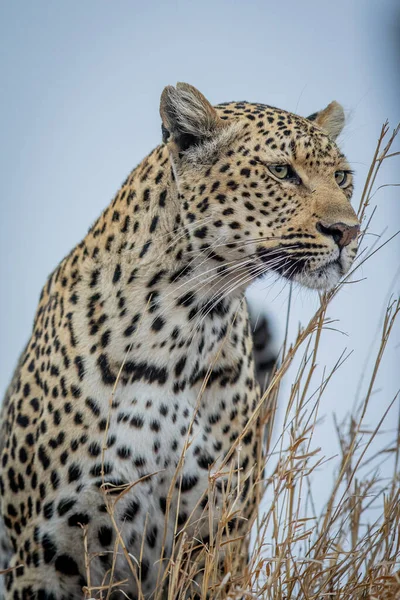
331, 119
187, 116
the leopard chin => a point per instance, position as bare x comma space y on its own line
324, 278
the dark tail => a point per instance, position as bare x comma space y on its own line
264, 348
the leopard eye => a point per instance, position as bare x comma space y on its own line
341, 178
282, 171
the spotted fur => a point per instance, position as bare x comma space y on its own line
154, 297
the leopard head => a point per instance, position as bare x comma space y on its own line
262, 188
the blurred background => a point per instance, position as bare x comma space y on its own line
81, 83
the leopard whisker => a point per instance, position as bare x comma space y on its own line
240, 280
234, 263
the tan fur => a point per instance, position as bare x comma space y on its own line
155, 291
331, 119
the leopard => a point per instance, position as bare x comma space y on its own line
139, 381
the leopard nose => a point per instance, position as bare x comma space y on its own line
341, 233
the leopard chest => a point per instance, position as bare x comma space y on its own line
189, 422
166, 441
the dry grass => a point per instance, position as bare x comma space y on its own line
297, 552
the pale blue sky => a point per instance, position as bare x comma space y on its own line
79, 108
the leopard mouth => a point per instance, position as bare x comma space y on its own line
322, 278
296, 268
319, 271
